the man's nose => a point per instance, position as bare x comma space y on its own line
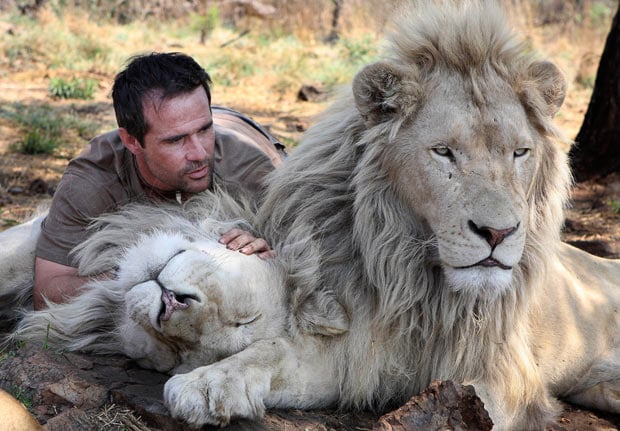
195, 149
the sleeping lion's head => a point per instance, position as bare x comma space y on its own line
466, 142
190, 303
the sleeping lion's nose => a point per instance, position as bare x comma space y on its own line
171, 304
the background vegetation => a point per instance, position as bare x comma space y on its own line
58, 58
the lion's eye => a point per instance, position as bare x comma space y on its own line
520, 152
247, 320
443, 152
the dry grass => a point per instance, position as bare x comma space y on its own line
259, 72
112, 417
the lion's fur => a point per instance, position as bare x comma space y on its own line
376, 255
17, 268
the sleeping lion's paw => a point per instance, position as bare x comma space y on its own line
216, 394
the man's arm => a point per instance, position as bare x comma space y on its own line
55, 282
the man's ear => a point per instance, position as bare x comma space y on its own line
129, 141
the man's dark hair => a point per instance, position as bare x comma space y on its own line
170, 73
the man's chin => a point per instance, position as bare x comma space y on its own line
197, 186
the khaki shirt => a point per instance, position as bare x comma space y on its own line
104, 177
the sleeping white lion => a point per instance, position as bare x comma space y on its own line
174, 297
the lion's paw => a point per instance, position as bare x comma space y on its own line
215, 394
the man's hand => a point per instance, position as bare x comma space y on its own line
246, 243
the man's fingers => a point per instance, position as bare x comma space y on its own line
267, 254
236, 239
246, 243
231, 235
258, 245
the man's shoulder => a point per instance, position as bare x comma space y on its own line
240, 130
105, 168
104, 154
104, 145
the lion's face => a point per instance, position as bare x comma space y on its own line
193, 303
466, 165
467, 177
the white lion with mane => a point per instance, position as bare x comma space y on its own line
418, 228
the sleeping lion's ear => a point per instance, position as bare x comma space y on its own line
382, 91
321, 314
550, 83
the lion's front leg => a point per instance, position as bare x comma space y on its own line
216, 393
269, 373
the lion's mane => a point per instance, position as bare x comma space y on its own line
376, 256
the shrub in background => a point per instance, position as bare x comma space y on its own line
44, 129
75, 88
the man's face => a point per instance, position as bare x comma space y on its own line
178, 147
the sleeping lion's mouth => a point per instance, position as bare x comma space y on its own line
171, 302
489, 262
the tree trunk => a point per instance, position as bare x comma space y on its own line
597, 150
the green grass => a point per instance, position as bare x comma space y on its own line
614, 205
4, 354
6, 223
44, 128
74, 88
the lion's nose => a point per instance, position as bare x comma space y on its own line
170, 303
493, 236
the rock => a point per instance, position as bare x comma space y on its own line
15, 190
310, 93
444, 406
73, 420
75, 392
38, 187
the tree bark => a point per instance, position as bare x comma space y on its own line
597, 149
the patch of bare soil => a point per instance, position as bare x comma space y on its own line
593, 220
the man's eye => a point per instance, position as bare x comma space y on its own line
174, 141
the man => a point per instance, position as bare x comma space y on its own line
170, 144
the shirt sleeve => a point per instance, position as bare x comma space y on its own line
76, 201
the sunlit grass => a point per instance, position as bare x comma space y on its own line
256, 64
44, 129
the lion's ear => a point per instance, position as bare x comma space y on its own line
550, 83
321, 314
381, 91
